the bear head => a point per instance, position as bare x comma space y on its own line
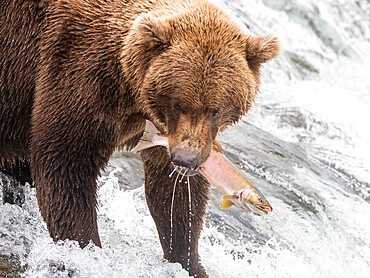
195, 72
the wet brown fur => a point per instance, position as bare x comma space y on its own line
79, 78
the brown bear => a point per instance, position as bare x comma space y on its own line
79, 78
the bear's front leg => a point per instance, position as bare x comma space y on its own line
179, 232
66, 158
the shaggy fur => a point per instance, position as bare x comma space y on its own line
79, 78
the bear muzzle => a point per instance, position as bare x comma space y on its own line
187, 161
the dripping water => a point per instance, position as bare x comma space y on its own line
183, 174
172, 202
189, 241
174, 170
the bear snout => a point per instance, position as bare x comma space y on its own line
185, 159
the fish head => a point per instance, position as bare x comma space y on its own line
255, 201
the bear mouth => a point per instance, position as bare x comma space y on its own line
184, 171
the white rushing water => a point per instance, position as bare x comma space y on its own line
305, 144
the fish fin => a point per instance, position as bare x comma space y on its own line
226, 201
226, 204
229, 197
146, 141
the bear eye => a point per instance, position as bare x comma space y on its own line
161, 117
177, 107
214, 113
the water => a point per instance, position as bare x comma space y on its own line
305, 144
172, 203
190, 212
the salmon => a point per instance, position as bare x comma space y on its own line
219, 171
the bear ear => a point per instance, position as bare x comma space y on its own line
148, 37
260, 49
151, 32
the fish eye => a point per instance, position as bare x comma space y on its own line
260, 200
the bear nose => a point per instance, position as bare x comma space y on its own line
184, 158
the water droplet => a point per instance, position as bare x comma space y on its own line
172, 202
189, 241
173, 171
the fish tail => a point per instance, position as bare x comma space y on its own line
146, 141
